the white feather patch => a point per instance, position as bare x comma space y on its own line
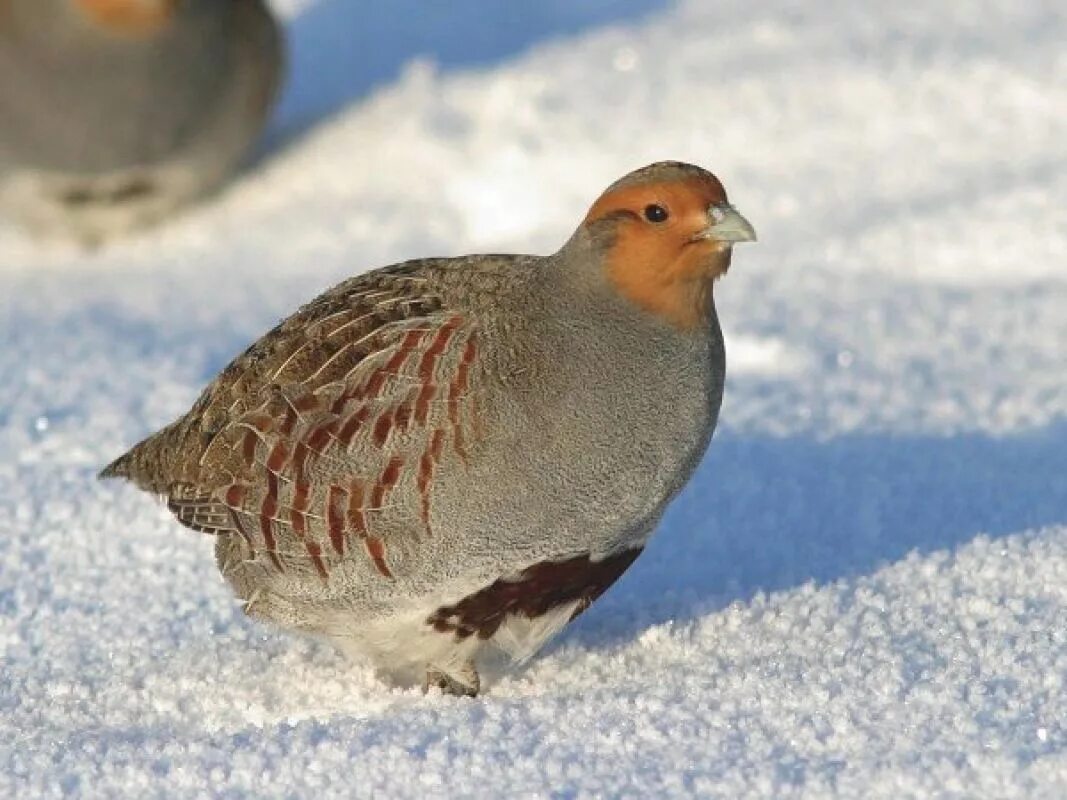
521, 637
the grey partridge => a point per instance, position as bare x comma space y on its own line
450, 457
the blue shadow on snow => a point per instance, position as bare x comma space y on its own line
768, 514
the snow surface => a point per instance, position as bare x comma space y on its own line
863, 592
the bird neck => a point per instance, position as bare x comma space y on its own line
682, 300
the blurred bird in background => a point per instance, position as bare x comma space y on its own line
116, 113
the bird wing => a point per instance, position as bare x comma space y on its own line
329, 430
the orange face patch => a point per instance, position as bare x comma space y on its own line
137, 18
662, 265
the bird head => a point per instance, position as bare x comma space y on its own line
129, 17
666, 233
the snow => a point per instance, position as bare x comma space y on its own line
862, 592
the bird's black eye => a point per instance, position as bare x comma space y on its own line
656, 213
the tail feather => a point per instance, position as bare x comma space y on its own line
149, 464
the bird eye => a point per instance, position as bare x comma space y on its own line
656, 213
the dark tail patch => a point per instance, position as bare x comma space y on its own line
535, 591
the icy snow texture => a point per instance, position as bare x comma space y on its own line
862, 593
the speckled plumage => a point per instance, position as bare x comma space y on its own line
113, 113
449, 452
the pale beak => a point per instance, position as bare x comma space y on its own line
727, 226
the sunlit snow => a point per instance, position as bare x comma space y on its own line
862, 593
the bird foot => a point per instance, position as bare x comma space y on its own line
462, 683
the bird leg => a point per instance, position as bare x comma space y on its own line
462, 682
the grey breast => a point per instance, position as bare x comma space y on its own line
599, 424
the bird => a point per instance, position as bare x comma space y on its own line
444, 461
116, 113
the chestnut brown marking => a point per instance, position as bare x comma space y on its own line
382, 426
376, 550
335, 518
460, 382
536, 591
299, 507
339, 404
407, 346
437, 442
377, 380
235, 494
357, 519
266, 516
374, 386
248, 447
279, 454
402, 416
315, 552
260, 421
455, 392
422, 402
298, 522
288, 422
423, 483
270, 502
440, 342
425, 479
306, 403
299, 461
320, 437
390, 477
350, 428
427, 366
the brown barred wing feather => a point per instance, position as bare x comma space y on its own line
338, 447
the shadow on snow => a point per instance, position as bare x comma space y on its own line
767, 514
